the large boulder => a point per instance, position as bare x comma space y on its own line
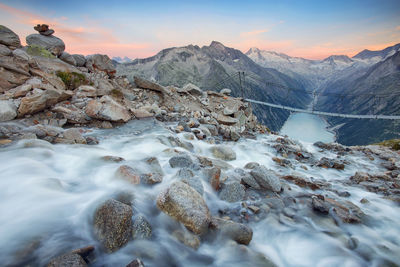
42, 99
8, 37
13, 72
8, 110
184, 204
108, 109
266, 178
113, 224
191, 89
100, 62
145, 84
66, 57
51, 43
67, 260
80, 60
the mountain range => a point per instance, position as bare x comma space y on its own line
268, 74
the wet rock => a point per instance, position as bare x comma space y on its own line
303, 182
232, 192
223, 152
181, 161
141, 228
67, 260
330, 163
241, 233
107, 109
8, 37
51, 43
247, 179
266, 178
185, 205
187, 238
154, 165
151, 178
187, 176
113, 224
359, 177
8, 111
100, 62
128, 174
145, 84
213, 176
251, 165
84, 252
136, 263
346, 211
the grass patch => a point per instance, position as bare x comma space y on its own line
393, 144
116, 93
72, 80
35, 50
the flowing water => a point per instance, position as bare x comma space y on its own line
307, 127
48, 195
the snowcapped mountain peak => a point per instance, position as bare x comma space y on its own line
122, 60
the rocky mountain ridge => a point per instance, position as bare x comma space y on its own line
211, 68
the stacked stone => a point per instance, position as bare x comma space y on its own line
43, 29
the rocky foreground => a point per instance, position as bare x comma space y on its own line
60, 98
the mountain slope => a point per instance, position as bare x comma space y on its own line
210, 67
383, 80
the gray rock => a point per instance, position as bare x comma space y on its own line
41, 100
113, 224
236, 231
251, 165
234, 135
106, 108
80, 60
247, 179
187, 238
223, 152
135, 263
145, 84
154, 165
8, 111
226, 120
67, 260
192, 89
21, 53
100, 62
232, 192
185, 205
187, 176
8, 37
51, 43
141, 228
226, 91
4, 50
181, 161
128, 174
266, 178
66, 57
74, 135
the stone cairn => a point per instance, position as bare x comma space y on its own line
43, 29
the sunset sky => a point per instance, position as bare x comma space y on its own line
310, 29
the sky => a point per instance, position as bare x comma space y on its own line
311, 29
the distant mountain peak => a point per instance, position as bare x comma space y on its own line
217, 45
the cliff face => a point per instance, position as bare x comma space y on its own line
373, 91
210, 67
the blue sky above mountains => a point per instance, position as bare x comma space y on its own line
310, 29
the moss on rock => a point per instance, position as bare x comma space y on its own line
35, 50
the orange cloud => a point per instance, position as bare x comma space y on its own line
398, 28
82, 40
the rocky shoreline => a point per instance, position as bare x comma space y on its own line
59, 98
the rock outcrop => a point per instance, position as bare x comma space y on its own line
51, 43
9, 38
